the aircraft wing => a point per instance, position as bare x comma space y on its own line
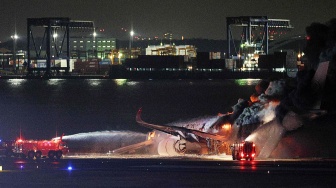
188, 134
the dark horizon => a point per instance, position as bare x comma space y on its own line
190, 19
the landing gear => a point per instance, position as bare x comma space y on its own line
38, 155
249, 159
51, 154
59, 154
31, 155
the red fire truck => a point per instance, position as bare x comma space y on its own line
245, 150
40, 148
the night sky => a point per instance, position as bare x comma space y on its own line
149, 18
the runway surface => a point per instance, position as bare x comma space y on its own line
155, 171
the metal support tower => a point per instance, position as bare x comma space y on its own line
247, 22
50, 25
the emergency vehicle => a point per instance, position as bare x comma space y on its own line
54, 148
244, 150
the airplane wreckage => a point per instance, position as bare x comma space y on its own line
286, 118
283, 120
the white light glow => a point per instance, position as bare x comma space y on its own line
120, 82
94, 82
16, 82
15, 36
54, 82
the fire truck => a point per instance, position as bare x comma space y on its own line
31, 149
244, 150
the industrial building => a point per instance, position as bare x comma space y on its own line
168, 49
85, 51
91, 47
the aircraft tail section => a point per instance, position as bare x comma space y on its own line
165, 129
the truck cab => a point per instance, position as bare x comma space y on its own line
244, 150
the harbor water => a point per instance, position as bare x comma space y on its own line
43, 109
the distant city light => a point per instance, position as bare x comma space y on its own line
15, 36
120, 82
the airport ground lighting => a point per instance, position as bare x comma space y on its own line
131, 41
55, 36
15, 37
94, 48
119, 56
